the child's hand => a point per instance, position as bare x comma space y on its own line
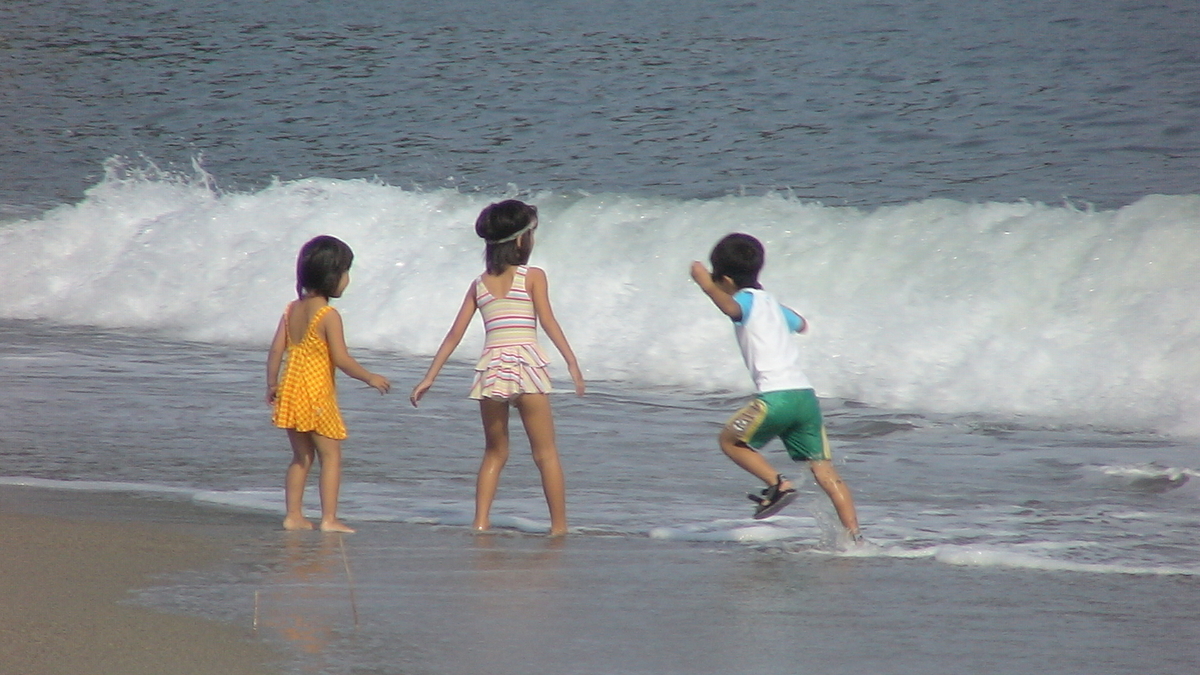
719, 292
577, 378
272, 393
379, 382
419, 391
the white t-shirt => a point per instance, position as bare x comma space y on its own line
765, 336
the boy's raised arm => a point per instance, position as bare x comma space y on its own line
721, 298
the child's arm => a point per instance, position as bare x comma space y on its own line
331, 323
722, 299
449, 343
538, 286
796, 323
275, 359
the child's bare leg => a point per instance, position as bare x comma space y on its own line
538, 419
303, 452
329, 450
839, 493
495, 454
749, 459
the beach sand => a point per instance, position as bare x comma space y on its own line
63, 580
439, 600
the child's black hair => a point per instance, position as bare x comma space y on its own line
501, 221
321, 264
739, 257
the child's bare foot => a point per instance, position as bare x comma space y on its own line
558, 533
481, 526
297, 523
336, 526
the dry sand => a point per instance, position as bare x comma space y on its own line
62, 582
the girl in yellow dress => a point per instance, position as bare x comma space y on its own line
308, 344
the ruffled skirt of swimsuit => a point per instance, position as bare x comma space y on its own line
511, 370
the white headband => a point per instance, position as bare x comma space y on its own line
514, 235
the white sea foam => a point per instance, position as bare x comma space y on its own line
1085, 316
741, 530
1149, 471
1014, 557
96, 486
985, 557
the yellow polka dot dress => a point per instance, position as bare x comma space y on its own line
307, 397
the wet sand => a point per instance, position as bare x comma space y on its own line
65, 581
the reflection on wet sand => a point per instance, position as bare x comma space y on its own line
489, 603
310, 593
517, 597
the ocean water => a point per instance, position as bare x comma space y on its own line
862, 102
987, 211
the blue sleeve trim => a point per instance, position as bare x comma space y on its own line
795, 322
745, 299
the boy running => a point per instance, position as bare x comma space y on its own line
785, 406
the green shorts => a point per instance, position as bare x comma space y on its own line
793, 416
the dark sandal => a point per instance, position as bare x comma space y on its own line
773, 499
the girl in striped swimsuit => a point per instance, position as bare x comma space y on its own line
513, 300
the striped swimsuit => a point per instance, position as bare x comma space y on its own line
512, 362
